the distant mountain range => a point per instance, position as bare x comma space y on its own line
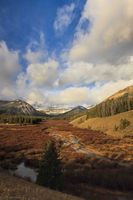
72, 114
18, 107
55, 110
121, 101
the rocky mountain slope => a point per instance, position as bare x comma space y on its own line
17, 107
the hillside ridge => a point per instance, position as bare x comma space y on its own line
128, 90
73, 113
121, 101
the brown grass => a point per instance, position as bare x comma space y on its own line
12, 188
107, 124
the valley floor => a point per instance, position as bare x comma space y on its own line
90, 158
27, 141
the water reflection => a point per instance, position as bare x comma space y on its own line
25, 172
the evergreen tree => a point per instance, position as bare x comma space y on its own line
50, 173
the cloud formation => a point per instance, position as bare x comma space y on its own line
69, 96
84, 95
42, 74
109, 37
84, 73
9, 68
98, 63
64, 18
42, 70
36, 51
36, 98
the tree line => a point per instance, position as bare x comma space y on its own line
111, 107
19, 119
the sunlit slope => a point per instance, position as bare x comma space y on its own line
121, 101
110, 125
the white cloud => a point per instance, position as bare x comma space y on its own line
36, 50
101, 92
83, 73
83, 95
64, 17
38, 76
9, 68
36, 98
34, 57
110, 36
9, 64
43, 74
42, 70
69, 96
21, 81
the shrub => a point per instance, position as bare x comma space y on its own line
124, 123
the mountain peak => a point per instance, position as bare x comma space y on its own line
79, 108
17, 107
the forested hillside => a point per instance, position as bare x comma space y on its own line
118, 103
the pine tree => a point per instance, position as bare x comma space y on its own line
50, 173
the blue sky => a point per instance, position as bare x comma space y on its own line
22, 21
65, 52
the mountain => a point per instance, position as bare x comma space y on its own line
72, 114
56, 110
121, 101
126, 92
18, 107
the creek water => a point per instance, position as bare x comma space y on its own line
25, 172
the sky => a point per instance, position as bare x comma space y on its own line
65, 52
